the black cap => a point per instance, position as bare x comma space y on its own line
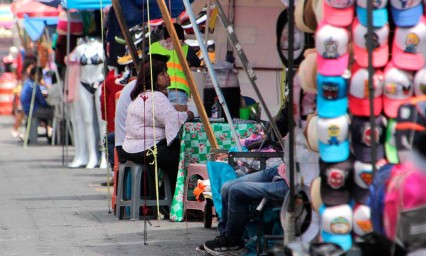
336, 181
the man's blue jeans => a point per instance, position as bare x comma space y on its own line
111, 141
238, 194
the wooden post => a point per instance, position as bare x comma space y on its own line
125, 30
188, 74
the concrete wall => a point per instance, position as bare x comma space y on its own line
254, 24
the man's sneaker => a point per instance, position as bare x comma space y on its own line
222, 245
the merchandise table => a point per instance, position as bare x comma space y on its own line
195, 148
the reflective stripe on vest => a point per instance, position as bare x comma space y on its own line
174, 68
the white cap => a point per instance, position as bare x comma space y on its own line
332, 49
409, 46
398, 88
337, 225
333, 138
420, 82
380, 45
362, 222
359, 102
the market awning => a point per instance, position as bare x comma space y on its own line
35, 26
33, 9
6, 16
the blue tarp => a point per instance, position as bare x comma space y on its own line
86, 4
132, 9
35, 26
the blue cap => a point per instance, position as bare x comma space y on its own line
334, 215
407, 17
380, 16
334, 153
332, 100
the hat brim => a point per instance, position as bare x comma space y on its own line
316, 194
380, 16
363, 153
334, 153
380, 56
331, 108
344, 241
332, 67
361, 107
340, 17
407, 17
408, 61
392, 105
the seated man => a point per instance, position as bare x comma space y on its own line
237, 195
41, 109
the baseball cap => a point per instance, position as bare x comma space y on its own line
398, 88
336, 181
380, 13
310, 133
336, 225
333, 141
332, 100
363, 178
332, 49
420, 82
362, 222
408, 46
380, 45
406, 13
361, 135
359, 102
316, 194
390, 144
339, 13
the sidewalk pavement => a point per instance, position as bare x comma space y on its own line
49, 209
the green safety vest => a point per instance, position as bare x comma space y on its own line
174, 68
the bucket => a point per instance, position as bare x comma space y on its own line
7, 86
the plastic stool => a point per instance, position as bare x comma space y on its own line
194, 169
136, 201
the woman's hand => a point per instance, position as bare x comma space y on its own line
190, 115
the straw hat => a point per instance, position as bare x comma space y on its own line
305, 16
308, 71
316, 194
310, 133
317, 6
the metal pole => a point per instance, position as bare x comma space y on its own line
370, 82
290, 218
210, 68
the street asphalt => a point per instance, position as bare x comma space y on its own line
49, 209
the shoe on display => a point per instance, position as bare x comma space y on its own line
127, 59
136, 33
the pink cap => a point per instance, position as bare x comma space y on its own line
380, 45
332, 50
359, 102
408, 45
398, 88
339, 12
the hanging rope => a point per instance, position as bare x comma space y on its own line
105, 148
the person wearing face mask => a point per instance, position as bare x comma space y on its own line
153, 121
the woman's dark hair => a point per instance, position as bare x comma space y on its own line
179, 31
144, 76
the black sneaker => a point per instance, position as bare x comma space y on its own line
222, 245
